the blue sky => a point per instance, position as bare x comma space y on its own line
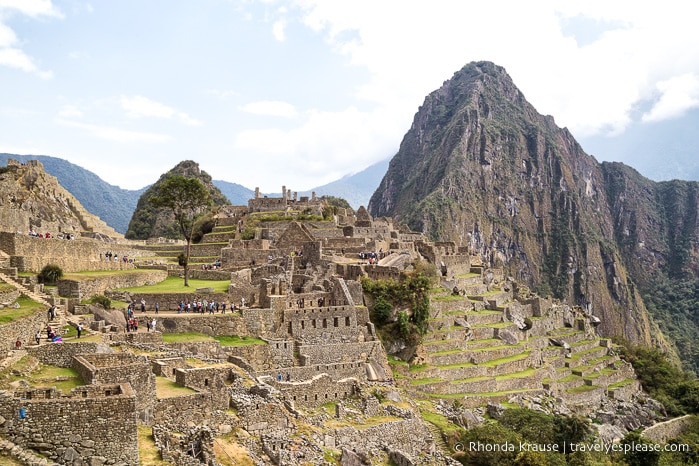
300, 93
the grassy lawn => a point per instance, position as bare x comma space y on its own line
176, 285
26, 307
186, 337
166, 388
41, 375
6, 287
235, 340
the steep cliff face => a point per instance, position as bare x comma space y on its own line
480, 166
149, 222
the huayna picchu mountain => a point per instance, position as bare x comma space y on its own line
480, 166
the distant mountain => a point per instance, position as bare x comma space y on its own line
355, 189
112, 204
662, 151
237, 194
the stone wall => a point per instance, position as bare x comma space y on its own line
61, 354
274, 355
119, 368
664, 431
30, 254
8, 298
335, 323
261, 322
316, 391
24, 329
182, 411
339, 353
83, 289
92, 425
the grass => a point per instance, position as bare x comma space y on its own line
166, 388
42, 375
426, 381
623, 383
441, 422
176, 285
26, 307
235, 340
229, 452
6, 287
187, 337
148, 453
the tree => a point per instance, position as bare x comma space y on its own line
187, 198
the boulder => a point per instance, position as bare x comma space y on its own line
508, 337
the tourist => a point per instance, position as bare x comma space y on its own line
157, 307
152, 324
80, 329
18, 344
37, 337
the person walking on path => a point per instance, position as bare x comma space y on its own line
80, 329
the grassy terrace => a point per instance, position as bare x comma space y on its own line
224, 340
491, 363
623, 383
176, 285
166, 388
26, 307
512, 375
453, 396
40, 375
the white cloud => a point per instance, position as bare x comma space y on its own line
325, 147
33, 8
271, 108
12, 56
116, 134
410, 49
70, 111
677, 95
139, 106
278, 30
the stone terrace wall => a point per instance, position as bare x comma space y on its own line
61, 354
317, 391
339, 353
92, 425
409, 435
337, 371
24, 329
178, 412
252, 322
83, 289
664, 431
170, 301
275, 355
336, 323
30, 254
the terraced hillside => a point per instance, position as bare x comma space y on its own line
493, 345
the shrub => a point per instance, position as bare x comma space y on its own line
50, 274
102, 301
382, 310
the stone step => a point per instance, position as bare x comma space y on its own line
594, 365
584, 345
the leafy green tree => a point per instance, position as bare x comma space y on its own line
50, 274
187, 198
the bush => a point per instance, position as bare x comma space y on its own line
102, 301
50, 274
382, 310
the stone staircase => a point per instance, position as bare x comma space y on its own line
61, 313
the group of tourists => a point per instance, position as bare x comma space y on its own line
203, 306
372, 257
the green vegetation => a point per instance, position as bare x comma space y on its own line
51, 273
166, 388
673, 305
412, 291
26, 307
174, 285
102, 301
6, 287
235, 340
187, 337
186, 198
676, 390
